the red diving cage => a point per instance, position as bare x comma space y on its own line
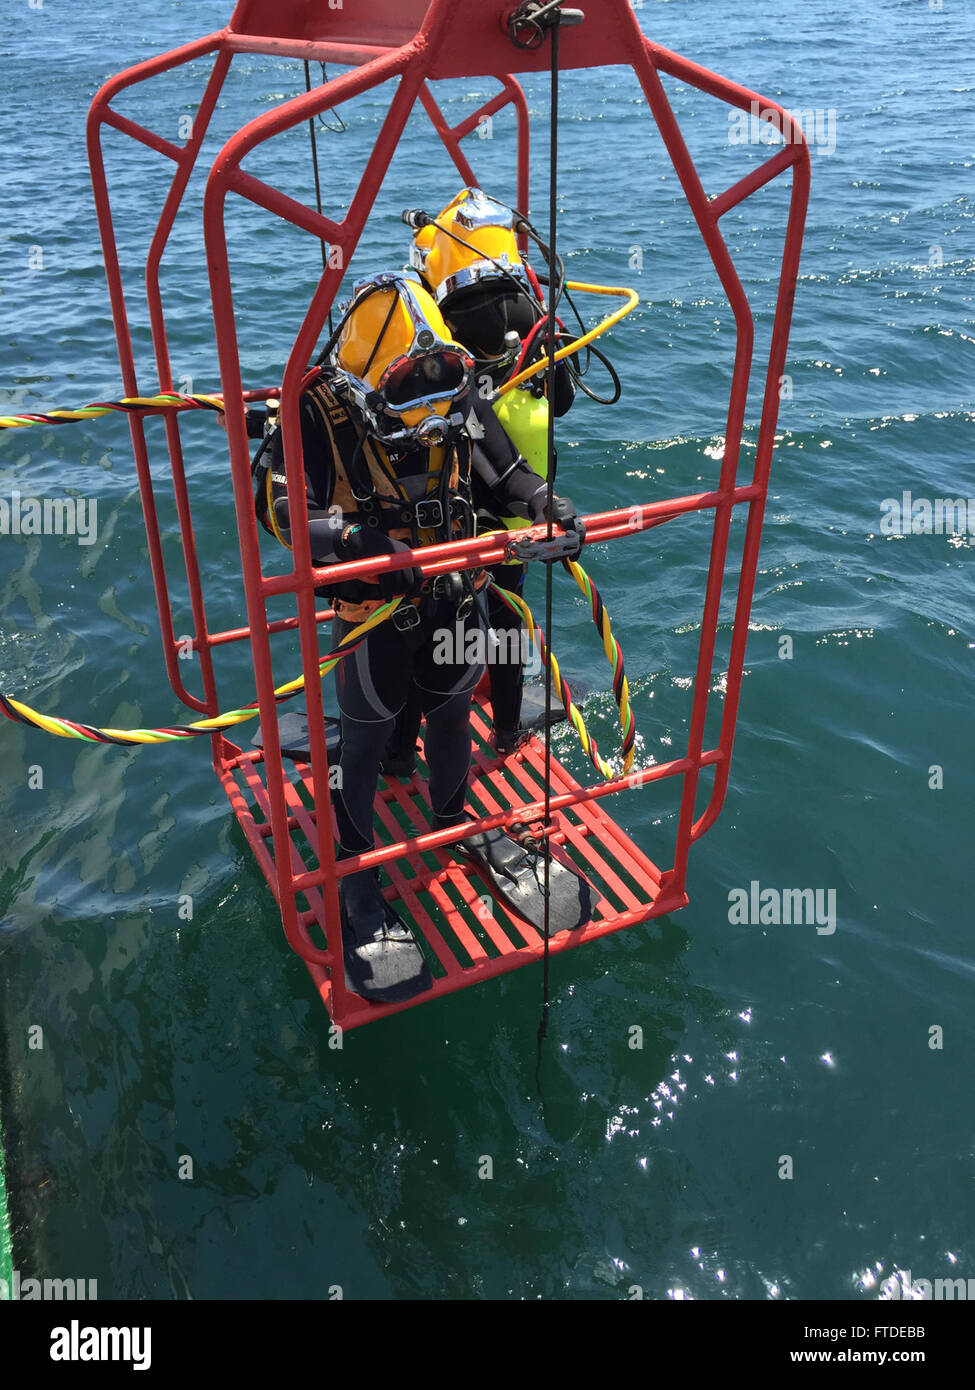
282, 809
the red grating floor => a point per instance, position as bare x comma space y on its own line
466, 934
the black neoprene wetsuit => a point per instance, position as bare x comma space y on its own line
505, 667
375, 681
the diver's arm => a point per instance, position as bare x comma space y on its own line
518, 491
496, 464
515, 488
255, 420
325, 524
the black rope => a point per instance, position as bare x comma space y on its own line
318, 182
382, 333
339, 129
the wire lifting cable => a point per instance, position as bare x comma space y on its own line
314, 159
550, 481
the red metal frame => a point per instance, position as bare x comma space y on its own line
412, 43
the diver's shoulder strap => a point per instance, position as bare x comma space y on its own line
357, 459
334, 417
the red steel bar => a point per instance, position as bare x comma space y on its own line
763, 463
157, 323
240, 634
451, 138
490, 549
292, 113
145, 137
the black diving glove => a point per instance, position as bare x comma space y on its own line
564, 514
367, 543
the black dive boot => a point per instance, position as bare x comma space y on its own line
507, 740
398, 763
516, 877
383, 962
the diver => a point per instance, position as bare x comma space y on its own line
390, 464
468, 259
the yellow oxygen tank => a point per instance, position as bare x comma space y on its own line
525, 420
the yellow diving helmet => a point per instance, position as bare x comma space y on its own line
472, 240
468, 257
396, 361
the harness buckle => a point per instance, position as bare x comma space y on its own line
429, 513
406, 617
456, 589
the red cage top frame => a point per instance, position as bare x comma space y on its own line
414, 42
